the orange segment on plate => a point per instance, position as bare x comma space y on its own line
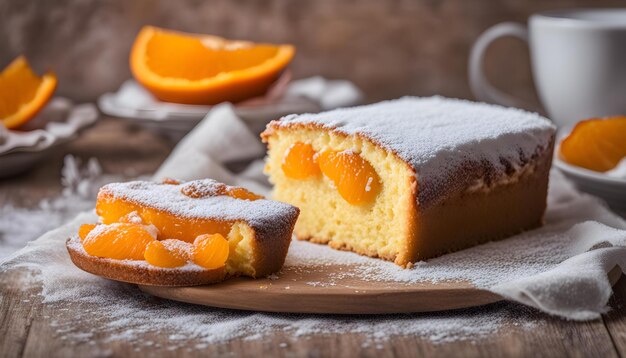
210, 251
300, 161
596, 144
168, 253
202, 69
120, 241
22, 93
84, 230
355, 178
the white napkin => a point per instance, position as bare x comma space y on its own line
560, 268
59, 121
577, 289
221, 138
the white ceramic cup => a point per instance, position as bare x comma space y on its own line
578, 60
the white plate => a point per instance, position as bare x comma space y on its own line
137, 106
58, 123
612, 190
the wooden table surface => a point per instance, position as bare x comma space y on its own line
26, 327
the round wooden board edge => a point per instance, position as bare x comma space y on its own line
328, 302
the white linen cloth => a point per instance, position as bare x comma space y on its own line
577, 289
60, 120
586, 239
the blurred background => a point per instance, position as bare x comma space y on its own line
388, 48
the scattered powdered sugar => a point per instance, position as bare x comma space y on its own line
178, 246
125, 313
80, 185
133, 218
437, 136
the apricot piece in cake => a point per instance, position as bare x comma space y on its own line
84, 230
300, 161
597, 144
210, 251
122, 241
355, 178
168, 253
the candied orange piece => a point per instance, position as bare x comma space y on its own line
114, 209
355, 178
300, 161
168, 253
596, 144
120, 241
84, 230
243, 194
210, 251
111, 209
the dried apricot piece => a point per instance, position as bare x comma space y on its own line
122, 241
355, 178
300, 161
168, 253
84, 230
596, 144
210, 251
242, 193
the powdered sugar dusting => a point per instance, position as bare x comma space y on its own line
438, 136
124, 313
169, 198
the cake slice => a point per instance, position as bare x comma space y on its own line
190, 233
413, 178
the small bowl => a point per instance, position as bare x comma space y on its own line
612, 190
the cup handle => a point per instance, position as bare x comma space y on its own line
480, 86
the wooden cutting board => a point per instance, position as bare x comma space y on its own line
320, 290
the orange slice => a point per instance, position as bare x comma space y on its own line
300, 162
355, 178
120, 241
210, 251
202, 69
84, 230
596, 144
168, 253
22, 93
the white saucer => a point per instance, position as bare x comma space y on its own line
612, 190
137, 106
59, 122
